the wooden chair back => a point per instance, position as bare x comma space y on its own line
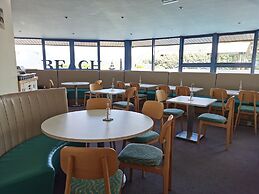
218, 93
95, 86
88, 163
97, 103
120, 85
51, 84
100, 82
247, 96
230, 107
161, 95
182, 91
165, 88
130, 92
153, 109
136, 85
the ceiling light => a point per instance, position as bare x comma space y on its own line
166, 2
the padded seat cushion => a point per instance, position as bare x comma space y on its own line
247, 108
212, 118
83, 186
173, 111
122, 104
145, 137
141, 154
217, 104
27, 168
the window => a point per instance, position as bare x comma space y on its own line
257, 59
233, 70
167, 54
235, 48
112, 55
86, 55
57, 54
29, 53
197, 50
196, 69
141, 53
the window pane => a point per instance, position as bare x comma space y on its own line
86, 55
196, 69
167, 54
233, 70
57, 54
141, 53
257, 59
197, 50
235, 48
112, 55
29, 53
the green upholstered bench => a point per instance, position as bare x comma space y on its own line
30, 167
29, 160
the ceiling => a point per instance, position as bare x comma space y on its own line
102, 19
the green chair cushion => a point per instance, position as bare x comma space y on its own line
212, 118
247, 108
145, 137
30, 167
86, 186
217, 104
122, 104
71, 93
173, 111
142, 154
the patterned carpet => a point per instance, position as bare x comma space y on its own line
206, 168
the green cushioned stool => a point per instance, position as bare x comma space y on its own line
83, 186
145, 137
142, 154
173, 111
212, 118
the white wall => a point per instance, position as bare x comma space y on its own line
8, 75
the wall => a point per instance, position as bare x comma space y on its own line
8, 75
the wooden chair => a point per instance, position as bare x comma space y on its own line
165, 88
247, 106
161, 96
51, 84
182, 91
149, 158
221, 96
208, 119
100, 82
97, 103
138, 97
90, 94
154, 110
126, 105
120, 85
83, 166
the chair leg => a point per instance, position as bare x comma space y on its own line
237, 120
255, 121
228, 137
84, 100
199, 131
181, 123
165, 182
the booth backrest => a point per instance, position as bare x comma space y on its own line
202, 80
21, 114
108, 75
232, 81
44, 76
148, 77
78, 75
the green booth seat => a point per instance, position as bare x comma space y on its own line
30, 167
81, 93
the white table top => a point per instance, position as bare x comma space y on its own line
233, 92
146, 86
194, 89
75, 83
88, 126
110, 91
196, 101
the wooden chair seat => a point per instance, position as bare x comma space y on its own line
141, 154
147, 137
173, 111
212, 118
97, 185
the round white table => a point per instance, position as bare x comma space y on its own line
88, 126
75, 84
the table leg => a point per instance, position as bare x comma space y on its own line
189, 134
76, 96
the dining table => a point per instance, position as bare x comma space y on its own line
192, 89
191, 103
88, 126
75, 85
110, 92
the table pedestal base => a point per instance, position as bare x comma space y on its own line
193, 137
